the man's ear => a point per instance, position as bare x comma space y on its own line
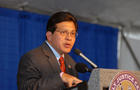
49, 35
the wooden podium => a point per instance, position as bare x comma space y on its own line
100, 79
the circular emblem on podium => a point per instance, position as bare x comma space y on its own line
124, 81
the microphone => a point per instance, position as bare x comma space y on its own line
82, 68
78, 52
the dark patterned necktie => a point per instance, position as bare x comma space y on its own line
62, 64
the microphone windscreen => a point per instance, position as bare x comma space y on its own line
77, 51
81, 67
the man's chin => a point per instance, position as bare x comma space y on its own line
67, 50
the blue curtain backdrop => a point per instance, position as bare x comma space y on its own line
22, 31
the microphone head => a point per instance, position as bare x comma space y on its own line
82, 68
77, 51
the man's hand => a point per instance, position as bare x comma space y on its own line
70, 80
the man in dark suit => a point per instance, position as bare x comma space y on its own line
40, 69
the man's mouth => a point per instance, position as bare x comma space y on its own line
67, 45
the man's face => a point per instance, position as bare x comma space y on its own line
63, 38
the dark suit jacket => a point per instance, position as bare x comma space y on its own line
39, 70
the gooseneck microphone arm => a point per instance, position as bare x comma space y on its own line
78, 52
94, 65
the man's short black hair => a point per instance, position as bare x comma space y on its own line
60, 17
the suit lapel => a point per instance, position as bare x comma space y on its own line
52, 59
67, 64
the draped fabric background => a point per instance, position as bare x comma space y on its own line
22, 31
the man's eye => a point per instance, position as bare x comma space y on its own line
63, 32
73, 33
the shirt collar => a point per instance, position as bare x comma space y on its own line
57, 55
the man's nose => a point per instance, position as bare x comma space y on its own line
68, 36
